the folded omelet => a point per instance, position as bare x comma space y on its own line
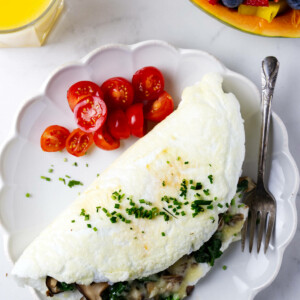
160, 201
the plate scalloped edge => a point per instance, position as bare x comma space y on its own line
85, 60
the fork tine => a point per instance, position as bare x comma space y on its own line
262, 226
252, 228
244, 233
271, 222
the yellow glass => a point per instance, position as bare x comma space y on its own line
26, 23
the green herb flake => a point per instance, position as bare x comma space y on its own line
241, 205
73, 221
206, 192
117, 205
183, 188
220, 205
28, 195
46, 178
143, 231
224, 268
186, 162
72, 183
227, 205
168, 162
211, 179
65, 159
183, 213
163, 183
98, 175
213, 219
163, 234
50, 171
67, 176
75, 164
89, 225
210, 207
113, 219
95, 229
86, 217
232, 203
209, 165
97, 208
142, 201
86, 165
62, 179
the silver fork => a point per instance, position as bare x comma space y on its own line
262, 205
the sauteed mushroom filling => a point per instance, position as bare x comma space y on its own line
173, 283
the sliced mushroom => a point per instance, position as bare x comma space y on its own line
92, 291
172, 278
221, 223
52, 285
251, 184
135, 294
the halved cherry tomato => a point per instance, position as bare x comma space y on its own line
135, 117
90, 113
160, 108
79, 142
117, 125
54, 138
80, 90
118, 93
104, 140
148, 83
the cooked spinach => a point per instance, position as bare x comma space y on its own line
209, 251
117, 291
65, 286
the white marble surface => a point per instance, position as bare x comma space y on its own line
88, 24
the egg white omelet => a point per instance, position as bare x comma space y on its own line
159, 201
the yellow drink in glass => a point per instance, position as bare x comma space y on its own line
25, 23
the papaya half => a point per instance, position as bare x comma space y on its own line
286, 24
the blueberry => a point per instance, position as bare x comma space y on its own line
236, 3
295, 4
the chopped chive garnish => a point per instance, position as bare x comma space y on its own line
65, 159
97, 208
86, 165
212, 218
73, 221
210, 207
89, 225
46, 178
224, 267
73, 183
67, 176
75, 164
50, 171
143, 231
142, 201
163, 234
211, 179
117, 205
95, 229
227, 205
127, 221
232, 203
209, 165
28, 195
183, 213
62, 179
86, 217
241, 205
104, 209
98, 175
178, 158
163, 183
206, 192
186, 162
191, 181
113, 219
220, 205
168, 162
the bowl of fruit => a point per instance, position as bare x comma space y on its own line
273, 18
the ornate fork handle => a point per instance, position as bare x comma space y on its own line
270, 67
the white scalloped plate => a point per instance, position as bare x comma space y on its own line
23, 162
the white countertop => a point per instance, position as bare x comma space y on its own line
86, 25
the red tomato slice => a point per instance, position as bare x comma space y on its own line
54, 138
160, 108
135, 117
79, 142
90, 113
104, 140
80, 90
118, 93
148, 83
117, 125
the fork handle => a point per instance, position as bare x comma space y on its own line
269, 71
